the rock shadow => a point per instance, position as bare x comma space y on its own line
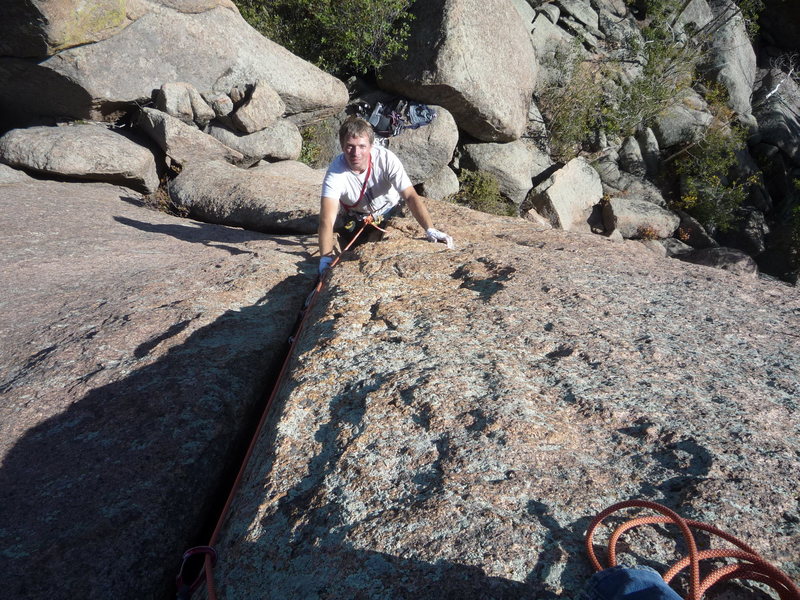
102, 499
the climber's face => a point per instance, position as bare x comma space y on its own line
356, 152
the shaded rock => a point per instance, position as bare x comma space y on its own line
279, 141
693, 233
184, 102
651, 153
83, 151
259, 110
478, 64
566, 196
183, 143
268, 200
461, 415
630, 157
683, 123
213, 50
137, 347
550, 10
441, 185
425, 151
728, 259
732, 59
779, 114
748, 234
674, 247
639, 219
582, 12
780, 23
513, 164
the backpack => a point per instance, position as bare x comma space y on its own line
392, 118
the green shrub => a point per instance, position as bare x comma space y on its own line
343, 37
479, 190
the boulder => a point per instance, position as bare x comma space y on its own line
137, 348
727, 259
732, 60
630, 186
567, 195
40, 29
673, 247
184, 102
513, 164
452, 420
551, 45
639, 219
582, 12
279, 141
260, 109
478, 64
693, 233
748, 233
682, 123
11, 175
779, 114
630, 157
82, 151
271, 200
213, 50
441, 185
651, 153
425, 151
183, 143
220, 103
697, 13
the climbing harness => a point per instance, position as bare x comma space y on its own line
206, 573
749, 564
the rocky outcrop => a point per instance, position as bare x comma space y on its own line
566, 197
478, 64
777, 108
682, 123
728, 259
136, 350
279, 141
452, 420
639, 219
82, 151
513, 164
281, 199
183, 143
213, 49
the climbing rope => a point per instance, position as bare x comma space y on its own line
750, 564
185, 588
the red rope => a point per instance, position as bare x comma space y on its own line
754, 566
209, 562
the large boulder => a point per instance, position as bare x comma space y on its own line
567, 196
82, 151
683, 123
513, 164
639, 219
479, 64
425, 151
732, 59
214, 50
281, 198
183, 143
777, 108
279, 141
261, 107
441, 185
453, 419
137, 347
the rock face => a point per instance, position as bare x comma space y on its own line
82, 151
273, 200
452, 420
136, 346
478, 64
213, 49
779, 114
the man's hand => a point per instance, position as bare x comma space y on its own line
325, 264
434, 235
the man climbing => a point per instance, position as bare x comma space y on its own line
366, 181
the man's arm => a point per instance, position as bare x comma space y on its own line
328, 209
420, 211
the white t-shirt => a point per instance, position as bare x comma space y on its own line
387, 179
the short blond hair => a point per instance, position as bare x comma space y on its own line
355, 126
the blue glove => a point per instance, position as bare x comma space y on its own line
325, 264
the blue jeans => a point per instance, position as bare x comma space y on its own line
624, 583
